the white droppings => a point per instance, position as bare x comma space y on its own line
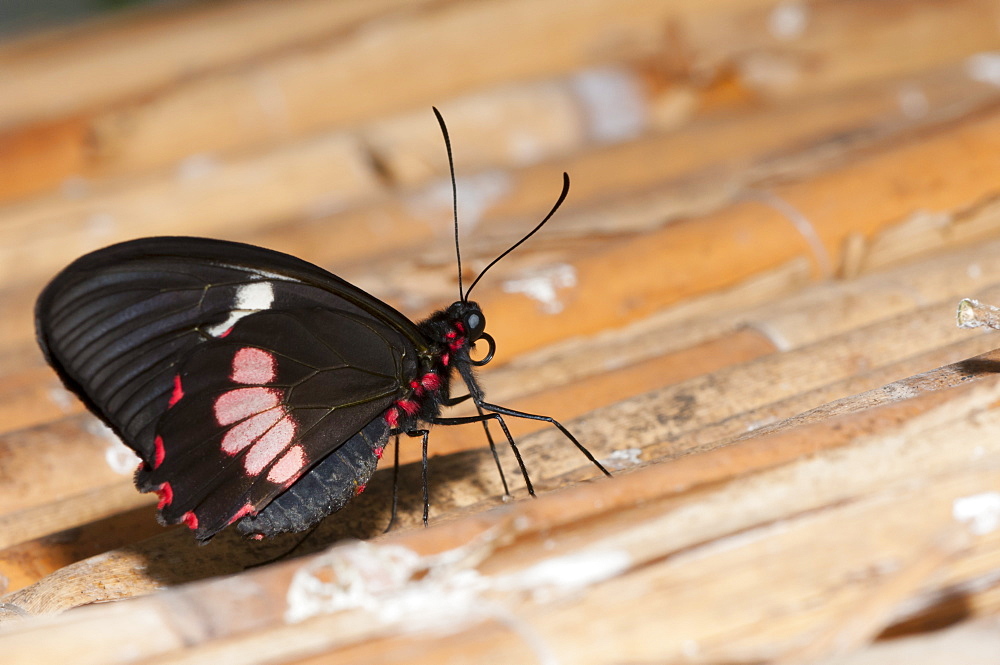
788, 20
119, 457
913, 101
613, 101
442, 592
75, 187
984, 67
690, 649
562, 574
196, 167
250, 298
62, 398
543, 285
476, 194
100, 225
623, 458
980, 512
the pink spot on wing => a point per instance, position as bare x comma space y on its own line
190, 519
257, 536
178, 391
247, 432
241, 403
288, 466
166, 494
269, 446
158, 451
226, 332
242, 512
253, 366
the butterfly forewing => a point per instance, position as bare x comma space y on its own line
232, 370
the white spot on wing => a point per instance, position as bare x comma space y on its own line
543, 285
250, 298
981, 512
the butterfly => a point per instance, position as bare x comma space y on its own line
259, 390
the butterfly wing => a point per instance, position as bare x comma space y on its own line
231, 370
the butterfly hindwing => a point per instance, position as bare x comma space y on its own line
231, 370
252, 413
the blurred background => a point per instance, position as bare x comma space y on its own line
774, 205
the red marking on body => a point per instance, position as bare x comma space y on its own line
392, 417
359, 489
250, 430
444, 359
235, 405
269, 446
247, 509
289, 466
409, 406
418, 389
166, 494
257, 536
379, 452
178, 391
190, 519
457, 343
459, 326
430, 381
253, 366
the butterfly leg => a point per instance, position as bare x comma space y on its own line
548, 419
452, 401
395, 488
482, 418
423, 469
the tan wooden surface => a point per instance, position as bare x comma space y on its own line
746, 309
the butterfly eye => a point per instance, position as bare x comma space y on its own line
475, 323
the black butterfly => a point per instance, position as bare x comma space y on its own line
257, 388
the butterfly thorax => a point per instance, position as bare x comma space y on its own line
448, 340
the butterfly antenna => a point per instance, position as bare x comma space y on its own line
454, 196
559, 201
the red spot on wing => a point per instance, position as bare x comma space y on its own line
178, 391
253, 366
190, 519
166, 494
359, 489
159, 452
226, 332
247, 509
